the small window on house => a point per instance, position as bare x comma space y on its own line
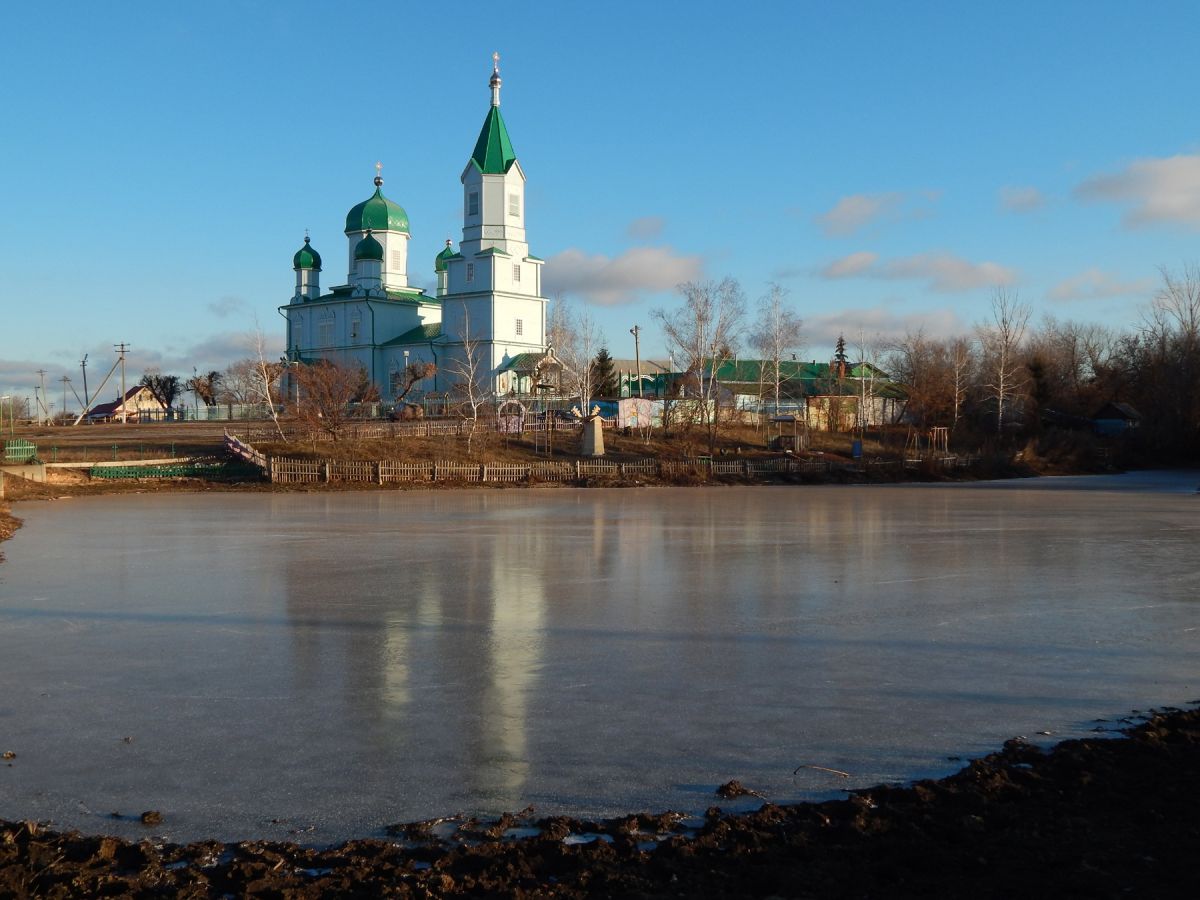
473, 203
470, 271
517, 274
514, 205
520, 326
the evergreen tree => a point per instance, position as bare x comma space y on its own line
841, 366
604, 375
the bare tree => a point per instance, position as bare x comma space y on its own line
1001, 341
576, 341
777, 333
327, 394
1170, 358
165, 388
868, 365
266, 377
415, 372
962, 363
205, 387
469, 371
703, 333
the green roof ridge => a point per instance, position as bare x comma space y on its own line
494, 154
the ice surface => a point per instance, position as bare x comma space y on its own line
317, 666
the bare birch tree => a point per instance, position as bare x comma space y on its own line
777, 333
868, 365
469, 371
575, 338
703, 333
266, 375
962, 363
1001, 341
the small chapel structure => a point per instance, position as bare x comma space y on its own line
486, 321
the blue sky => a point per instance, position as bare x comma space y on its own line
887, 163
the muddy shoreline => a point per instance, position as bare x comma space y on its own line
1095, 817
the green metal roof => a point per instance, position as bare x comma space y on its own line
493, 251
368, 248
494, 154
306, 257
379, 213
523, 362
345, 292
439, 261
422, 334
802, 379
748, 370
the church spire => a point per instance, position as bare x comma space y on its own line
495, 82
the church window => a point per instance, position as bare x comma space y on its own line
514, 205
517, 274
520, 326
325, 333
473, 203
470, 272
355, 326
397, 261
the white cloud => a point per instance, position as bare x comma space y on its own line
646, 228
847, 266
944, 272
227, 306
621, 279
1021, 199
881, 325
856, 211
1155, 191
1094, 284
947, 272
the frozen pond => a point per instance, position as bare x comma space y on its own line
325, 664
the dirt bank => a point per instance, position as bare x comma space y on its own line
1099, 817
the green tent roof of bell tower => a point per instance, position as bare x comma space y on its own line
494, 154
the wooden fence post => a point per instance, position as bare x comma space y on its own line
577, 472
379, 472
328, 469
483, 472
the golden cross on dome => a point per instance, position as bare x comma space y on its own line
496, 62
378, 174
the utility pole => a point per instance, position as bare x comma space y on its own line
121, 348
637, 355
65, 381
42, 403
87, 402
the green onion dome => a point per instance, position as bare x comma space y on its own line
440, 262
368, 248
306, 257
377, 212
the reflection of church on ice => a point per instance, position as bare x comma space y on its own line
488, 293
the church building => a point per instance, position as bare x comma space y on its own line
487, 320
